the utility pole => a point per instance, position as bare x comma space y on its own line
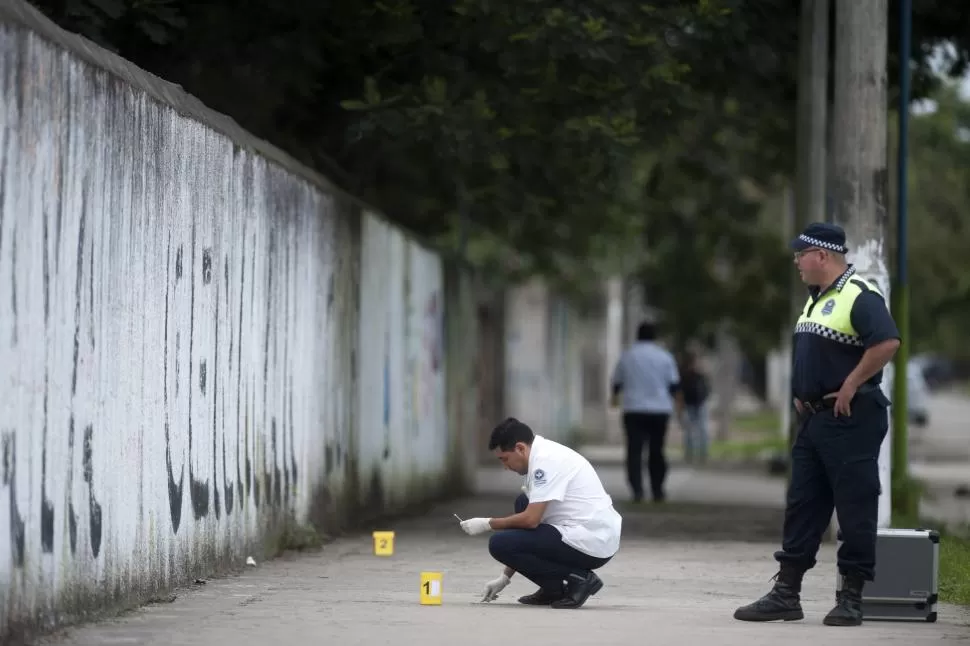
812, 113
860, 160
908, 504
810, 168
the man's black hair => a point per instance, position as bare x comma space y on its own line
508, 433
646, 331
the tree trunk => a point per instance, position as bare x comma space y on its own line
811, 164
859, 181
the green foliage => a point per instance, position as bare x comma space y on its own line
955, 570
542, 136
535, 111
939, 226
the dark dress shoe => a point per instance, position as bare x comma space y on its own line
578, 591
541, 597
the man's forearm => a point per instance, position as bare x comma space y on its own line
521, 520
873, 360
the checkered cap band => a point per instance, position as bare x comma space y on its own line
815, 242
808, 327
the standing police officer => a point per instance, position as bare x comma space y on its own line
843, 339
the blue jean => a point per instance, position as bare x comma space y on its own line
695, 432
540, 555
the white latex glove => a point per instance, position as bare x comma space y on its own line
474, 526
492, 588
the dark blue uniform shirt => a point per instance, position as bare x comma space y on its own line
821, 365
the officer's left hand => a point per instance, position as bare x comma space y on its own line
492, 588
843, 400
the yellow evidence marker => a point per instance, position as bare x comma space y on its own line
431, 588
383, 543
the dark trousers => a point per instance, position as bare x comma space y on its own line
539, 554
835, 465
649, 429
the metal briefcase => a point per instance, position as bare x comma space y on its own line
907, 576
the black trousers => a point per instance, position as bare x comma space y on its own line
649, 429
540, 555
835, 465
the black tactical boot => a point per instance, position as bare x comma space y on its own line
781, 603
848, 604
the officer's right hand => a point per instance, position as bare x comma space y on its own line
798, 406
474, 526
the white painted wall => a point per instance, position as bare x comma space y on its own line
183, 367
526, 382
404, 430
543, 361
615, 344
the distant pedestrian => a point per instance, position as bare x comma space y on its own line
843, 339
648, 379
695, 388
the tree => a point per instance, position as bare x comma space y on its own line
525, 113
562, 130
939, 216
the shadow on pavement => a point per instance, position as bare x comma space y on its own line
670, 521
701, 522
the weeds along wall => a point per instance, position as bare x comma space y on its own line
202, 345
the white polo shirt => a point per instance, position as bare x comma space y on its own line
579, 506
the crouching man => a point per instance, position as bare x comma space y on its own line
564, 525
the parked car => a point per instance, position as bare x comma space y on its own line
937, 371
917, 395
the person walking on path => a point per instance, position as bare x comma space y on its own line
843, 339
695, 388
647, 377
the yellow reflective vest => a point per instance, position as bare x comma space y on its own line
830, 316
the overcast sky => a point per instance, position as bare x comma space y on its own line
920, 107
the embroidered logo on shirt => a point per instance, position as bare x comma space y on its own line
828, 307
539, 476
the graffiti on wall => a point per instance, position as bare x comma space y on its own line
180, 350
219, 477
148, 344
277, 471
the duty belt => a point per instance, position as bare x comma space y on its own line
818, 405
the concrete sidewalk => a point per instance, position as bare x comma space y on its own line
679, 575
